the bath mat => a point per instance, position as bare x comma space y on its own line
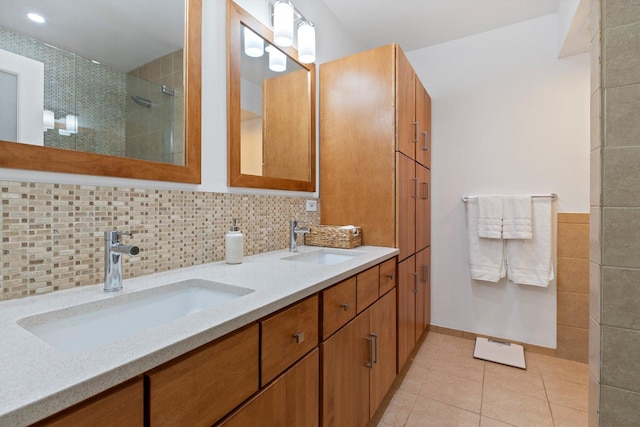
500, 352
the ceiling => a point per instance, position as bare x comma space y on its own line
100, 30
415, 24
123, 34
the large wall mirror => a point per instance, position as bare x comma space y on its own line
271, 108
102, 87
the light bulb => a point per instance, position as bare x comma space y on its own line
71, 124
253, 44
283, 23
306, 42
48, 119
277, 60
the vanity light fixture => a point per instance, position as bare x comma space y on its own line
284, 16
36, 18
253, 44
277, 59
66, 126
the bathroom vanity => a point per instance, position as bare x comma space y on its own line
289, 343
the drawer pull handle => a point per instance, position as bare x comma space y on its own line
299, 337
345, 306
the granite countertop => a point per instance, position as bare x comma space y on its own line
37, 380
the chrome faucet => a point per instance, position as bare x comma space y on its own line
113, 251
294, 230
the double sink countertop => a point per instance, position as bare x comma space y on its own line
37, 380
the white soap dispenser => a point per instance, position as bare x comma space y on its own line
234, 245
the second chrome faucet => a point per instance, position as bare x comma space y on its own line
294, 230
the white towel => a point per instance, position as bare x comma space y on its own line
486, 256
516, 217
529, 260
490, 216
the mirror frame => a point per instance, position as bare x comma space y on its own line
236, 18
16, 155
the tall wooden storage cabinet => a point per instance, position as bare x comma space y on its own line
375, 168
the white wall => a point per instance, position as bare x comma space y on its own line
333, 41
508, 117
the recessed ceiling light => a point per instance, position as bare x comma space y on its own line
36, 18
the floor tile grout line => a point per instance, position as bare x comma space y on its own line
484, 373
553, 420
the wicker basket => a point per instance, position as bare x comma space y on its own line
333, 236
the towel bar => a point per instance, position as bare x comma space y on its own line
553, 196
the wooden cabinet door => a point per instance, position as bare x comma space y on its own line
423, 265
406, 309
286, 153
383, 325
291, 400
405, 106
345, 375
423, 208
406, 205
423, 294
204, 385
120, 406
357, 144
423, 120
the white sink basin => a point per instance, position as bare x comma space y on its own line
92, 325
325, 256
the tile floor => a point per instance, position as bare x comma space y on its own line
446, 386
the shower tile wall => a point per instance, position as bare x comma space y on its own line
52, 234
141, 143
75, 85
615, 205
573, 287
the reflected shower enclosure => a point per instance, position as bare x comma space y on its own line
135, 113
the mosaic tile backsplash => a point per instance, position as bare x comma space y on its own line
53, 234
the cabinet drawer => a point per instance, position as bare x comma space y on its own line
286, 336
367, 285
387, 276
120, 406
290, 400
202, 386
338, 306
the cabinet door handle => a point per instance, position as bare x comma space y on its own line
370, 362
415, 189
425, 147
390, 276
425, 273
345, 306
375, 357
415, 283
299, 337
426, 190
415, 134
